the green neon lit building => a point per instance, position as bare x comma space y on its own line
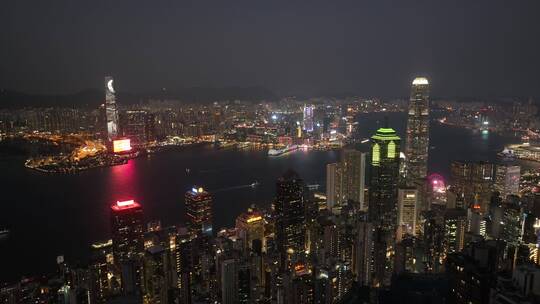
385, 148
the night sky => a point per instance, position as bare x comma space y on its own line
467, 48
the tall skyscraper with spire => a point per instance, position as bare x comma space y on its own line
111, 111
382, 209
417, 144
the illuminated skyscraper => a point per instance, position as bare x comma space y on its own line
507, 179
127, 230
345, 181
184, 264
333, 184
472, 182
308, 118
363, 251
199, 212
102, 274
229, 281
158, 275
384, 178
383, 200
407, 210
353, 163
290, 214
436, 188
455, 221
512, 224
417, 144
137, 125
128, 243
111, 111
251, 224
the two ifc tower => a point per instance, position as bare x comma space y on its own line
385, 157
417, 135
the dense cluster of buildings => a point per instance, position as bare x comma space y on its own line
384, 231
323, 123
507, 117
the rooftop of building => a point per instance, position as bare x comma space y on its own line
386, 134
420, 81
125, 205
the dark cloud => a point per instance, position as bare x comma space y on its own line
467, 48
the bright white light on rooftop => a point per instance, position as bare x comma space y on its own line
420, 81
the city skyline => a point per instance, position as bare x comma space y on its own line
270, 152
296, 243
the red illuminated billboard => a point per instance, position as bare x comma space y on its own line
121, 145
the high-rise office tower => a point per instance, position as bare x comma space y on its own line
512, 224
184, 265
102, 275
138, 126
111, 112
383, 200
507, 179
157, 275
384, 178
333, 184
353, 163
345, 181
455, 224
407, 210
128, 243
363, 250
341, 279
299, 287
436, 190
251, 225
308, 118
127, 230
289, 213
477, 222
417, 144
406, 256
433, 238
229, 281
472, 182
199, 212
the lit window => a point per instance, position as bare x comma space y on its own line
391, 149
375, 155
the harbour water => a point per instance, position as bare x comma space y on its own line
57, 214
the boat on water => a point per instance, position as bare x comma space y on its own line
225, 145
278, 152
4, 234
507, 155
